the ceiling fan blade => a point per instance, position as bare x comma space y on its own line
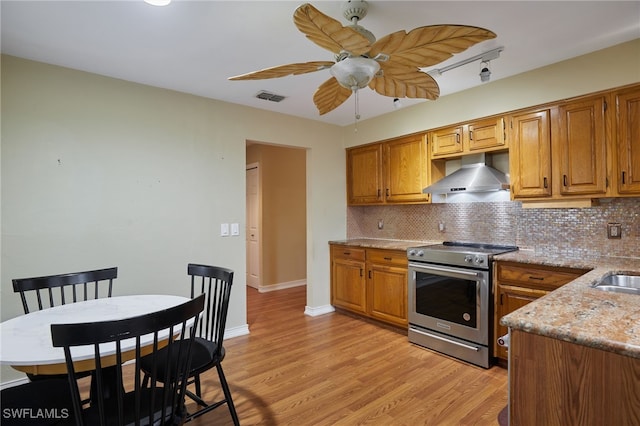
430, 45
403, 82
284, 70
328, 33
330, 95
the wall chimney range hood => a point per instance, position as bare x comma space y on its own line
473, 176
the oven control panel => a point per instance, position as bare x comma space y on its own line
475, 259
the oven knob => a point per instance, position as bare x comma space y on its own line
468, 258
479, 260
420, 253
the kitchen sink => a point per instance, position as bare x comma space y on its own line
619, 283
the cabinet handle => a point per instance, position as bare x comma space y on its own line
387, 192
544, 180
369, 273
564, 180
623, 182
457, 137
536, 278
361, 270
470, 134
501, 294
378, 192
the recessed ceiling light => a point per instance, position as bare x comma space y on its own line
158, 2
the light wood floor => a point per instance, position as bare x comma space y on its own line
333, 369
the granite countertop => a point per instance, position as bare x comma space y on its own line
578, 313
383, 244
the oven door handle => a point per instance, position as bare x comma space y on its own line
473, 348
459, 272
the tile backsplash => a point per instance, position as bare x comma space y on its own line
570, 232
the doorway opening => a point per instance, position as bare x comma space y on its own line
276, 217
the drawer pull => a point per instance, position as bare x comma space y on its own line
347, 253
388, 258
536, 278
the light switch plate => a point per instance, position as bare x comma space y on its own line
235, 229
224, 229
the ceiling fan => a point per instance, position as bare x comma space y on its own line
390, 66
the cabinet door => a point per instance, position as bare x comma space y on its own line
446, 141
364, 175
348, 288
628, 141
406, 170
387, 292
582, 147
486, 134
508, 299
530, 154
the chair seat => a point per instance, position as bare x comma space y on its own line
203, 356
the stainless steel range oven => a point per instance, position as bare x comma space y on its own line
450, 299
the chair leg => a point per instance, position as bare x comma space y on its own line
227, 395
196, 380
208, 407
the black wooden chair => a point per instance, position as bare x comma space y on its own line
159, 403
53, 290
40, 403
208, 352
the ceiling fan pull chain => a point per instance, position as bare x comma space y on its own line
357, 107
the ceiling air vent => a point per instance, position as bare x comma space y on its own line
267, 96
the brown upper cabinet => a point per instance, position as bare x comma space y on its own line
477, 136
530, 154
627, 172
584, 148
581, 145
395, 171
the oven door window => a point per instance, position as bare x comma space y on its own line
447, 298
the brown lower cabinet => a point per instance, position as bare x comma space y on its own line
552, 382
370, 282
517, 284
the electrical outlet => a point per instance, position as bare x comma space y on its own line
380, 224
442, 227
614, 230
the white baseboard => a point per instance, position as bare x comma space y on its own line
242, 330
320, 310
281, 286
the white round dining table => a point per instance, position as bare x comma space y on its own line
25, 341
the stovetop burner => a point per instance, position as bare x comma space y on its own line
474, 255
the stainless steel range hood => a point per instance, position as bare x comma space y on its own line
475, 175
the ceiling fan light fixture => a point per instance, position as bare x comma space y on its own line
355, 73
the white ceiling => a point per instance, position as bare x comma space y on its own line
193, 46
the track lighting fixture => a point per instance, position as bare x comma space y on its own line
484, 58
485, 72
396, 103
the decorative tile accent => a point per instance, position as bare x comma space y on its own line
570, 232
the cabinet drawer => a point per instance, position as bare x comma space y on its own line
390, 257
535, 276
347, 252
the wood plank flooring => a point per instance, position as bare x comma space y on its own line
338, 370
